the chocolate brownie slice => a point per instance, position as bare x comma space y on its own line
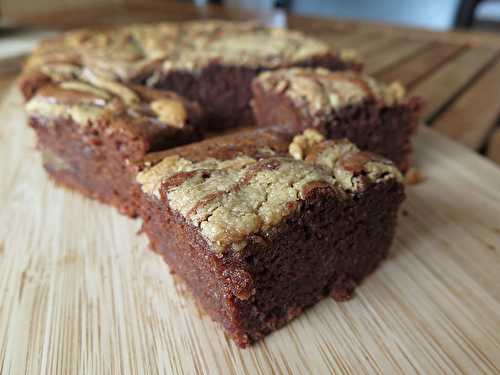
376, 117
211, 62
218, 67
91, 132
260, 234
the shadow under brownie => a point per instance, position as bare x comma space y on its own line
259, 235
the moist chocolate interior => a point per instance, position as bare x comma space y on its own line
224, 91
96, 162
325, 248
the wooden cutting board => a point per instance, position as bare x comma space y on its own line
81, 293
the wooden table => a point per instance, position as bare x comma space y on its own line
458, 73
80, 293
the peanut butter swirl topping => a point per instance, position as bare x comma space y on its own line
228, 200
320, 91
89, 98
146, 50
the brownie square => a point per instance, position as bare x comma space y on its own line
259, 233
223, 58
92, 131
376, 117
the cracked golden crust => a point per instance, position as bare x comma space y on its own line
88, 99
318, 92
302, 143
148, 50
258, 47
229, 200
82, 107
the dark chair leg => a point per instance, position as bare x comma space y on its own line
283, 4
465, 14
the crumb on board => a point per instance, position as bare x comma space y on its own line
414, 176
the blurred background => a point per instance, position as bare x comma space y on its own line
432, 14
26, 21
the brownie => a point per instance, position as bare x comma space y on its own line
375, 116
260, 223
92, 131
260, 228
211, 62
217, 71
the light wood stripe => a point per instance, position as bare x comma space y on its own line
469, 118
394, 53
446, 83
348, 41
421, 64
5, 84
314, 25
381, 42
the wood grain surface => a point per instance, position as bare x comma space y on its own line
420, 65
442, 87
480, 106
82, 294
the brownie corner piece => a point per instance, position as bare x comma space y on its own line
91, 131
261, 234
375, 116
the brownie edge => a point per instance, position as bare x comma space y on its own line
377, 117
210, 62
268, 234
92, 133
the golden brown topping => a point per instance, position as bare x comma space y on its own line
61, 71
228, 200
82, 113
320, 91
85, 87
349, 55
58, 95
355, 169
152, 178
329, 152
170, 111
92, 99
122, 54
395, 93
127, 95
302, 143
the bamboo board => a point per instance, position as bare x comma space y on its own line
81, 294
